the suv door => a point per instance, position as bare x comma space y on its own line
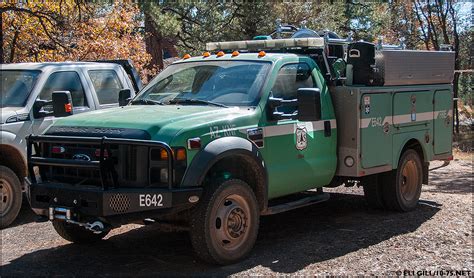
296, 152
71, 81
107, 85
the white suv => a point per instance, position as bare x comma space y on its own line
25, 108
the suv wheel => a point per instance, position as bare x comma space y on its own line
224, 225
10, 196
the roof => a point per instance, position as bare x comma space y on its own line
269, 57
43, 66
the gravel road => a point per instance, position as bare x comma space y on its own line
338, 237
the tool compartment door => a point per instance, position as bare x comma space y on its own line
375, 131
443, 121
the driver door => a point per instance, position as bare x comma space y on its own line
62, 81
290, 146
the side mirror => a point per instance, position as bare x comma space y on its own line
62, 104
37, 113
124, 97
309, 104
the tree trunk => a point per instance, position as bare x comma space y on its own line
13, 46
455, 102
1, 38
457, 63
153, 42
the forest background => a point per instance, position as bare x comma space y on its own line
152, 34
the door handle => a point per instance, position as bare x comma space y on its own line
327, 128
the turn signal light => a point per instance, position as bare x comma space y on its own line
179, 154
68, 107
220, 54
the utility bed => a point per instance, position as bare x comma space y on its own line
373, 122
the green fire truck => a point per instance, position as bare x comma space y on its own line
249, 128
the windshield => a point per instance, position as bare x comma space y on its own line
16, 85
218, 83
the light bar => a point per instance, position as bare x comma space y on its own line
266, 44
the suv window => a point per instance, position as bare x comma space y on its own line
106, 84
290, 78
65, 81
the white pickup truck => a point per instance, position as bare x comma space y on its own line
26, 91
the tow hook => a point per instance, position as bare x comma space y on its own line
65, 214
96, 227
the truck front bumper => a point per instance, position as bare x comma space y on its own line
79, 203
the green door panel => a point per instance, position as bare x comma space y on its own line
443, 121
376, 144
412, 108
298, 155
292, 170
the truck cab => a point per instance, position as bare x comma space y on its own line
26, 108
216, 141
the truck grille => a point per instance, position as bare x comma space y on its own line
130, 165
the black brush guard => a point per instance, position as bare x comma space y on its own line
86, 202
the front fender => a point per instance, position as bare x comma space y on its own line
14, 141
216, 150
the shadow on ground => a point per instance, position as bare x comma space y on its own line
287, 243
453, 181
25, 216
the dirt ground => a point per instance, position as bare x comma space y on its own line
339, 237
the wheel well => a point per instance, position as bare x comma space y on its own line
415, 145
241, 167
13, 159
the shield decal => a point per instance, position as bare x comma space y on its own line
301, 142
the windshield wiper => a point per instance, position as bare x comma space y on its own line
147, 101
194, 100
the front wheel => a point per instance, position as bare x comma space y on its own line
10, 196
224, 225
402, 187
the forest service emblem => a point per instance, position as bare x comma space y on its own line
301, 141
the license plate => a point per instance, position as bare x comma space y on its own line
126, 202
154, 200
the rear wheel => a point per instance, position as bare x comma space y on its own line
224, 225
77, 234
402, 187
10, 196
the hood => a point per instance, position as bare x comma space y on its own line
162, 122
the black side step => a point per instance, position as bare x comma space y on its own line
306, 199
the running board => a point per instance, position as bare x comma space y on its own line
299, 203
